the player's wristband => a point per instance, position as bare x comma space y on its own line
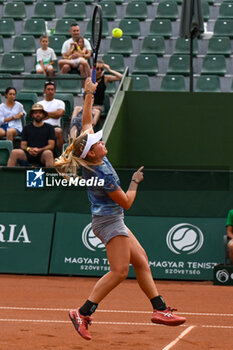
28, 149
136, 181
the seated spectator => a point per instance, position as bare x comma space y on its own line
38, 141
67, 54
229, 226
102, 80
11, 113
55, 109
79, 48
45, 57
76, 119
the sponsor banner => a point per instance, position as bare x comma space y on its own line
25, 242
177, 248
223, 275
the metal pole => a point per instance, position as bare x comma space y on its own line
191, 64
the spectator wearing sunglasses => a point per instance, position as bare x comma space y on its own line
102, 80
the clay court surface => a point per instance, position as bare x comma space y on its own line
34, 316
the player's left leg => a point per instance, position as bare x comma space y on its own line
138, 258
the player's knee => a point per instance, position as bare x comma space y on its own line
122, 272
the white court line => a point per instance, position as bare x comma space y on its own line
107, 323
110, 311
175, 341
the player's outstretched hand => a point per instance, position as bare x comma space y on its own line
89, 86
138, 175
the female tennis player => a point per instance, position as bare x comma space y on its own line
107, 204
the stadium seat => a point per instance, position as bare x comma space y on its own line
208, 84
111, 88
71, 86
24, 44
223, 27
1, 45
226, 10
109, 10
178, 64
75, 10
34, 84
162, 27
146, 64
167, 9
6, 147
104, 28
62, 26
205, 10
219, 46
116, 62
15, 10
5, 81
88, 2
140, 82
131, 27
27, 2
136, 9
35, 27
56, 42
7, 27
57, 1
214, 64
182, 46
173, 83
123, 46
27, 99
45, 10
153, 44
68, 99
12, 63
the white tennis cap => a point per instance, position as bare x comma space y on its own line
91, 140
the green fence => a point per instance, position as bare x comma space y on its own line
173, 130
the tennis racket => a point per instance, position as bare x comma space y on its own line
96, 32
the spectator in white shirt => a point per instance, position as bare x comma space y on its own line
11, 113
45, 57
55, 109
67, 49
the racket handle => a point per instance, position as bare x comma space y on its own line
93, 75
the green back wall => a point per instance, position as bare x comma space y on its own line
174, 130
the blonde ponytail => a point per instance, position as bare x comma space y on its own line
69, 163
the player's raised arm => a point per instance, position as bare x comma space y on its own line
87, 107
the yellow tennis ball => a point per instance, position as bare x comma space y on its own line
117, 32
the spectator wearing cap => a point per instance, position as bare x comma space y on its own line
38, 141
68, 52
55, 109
